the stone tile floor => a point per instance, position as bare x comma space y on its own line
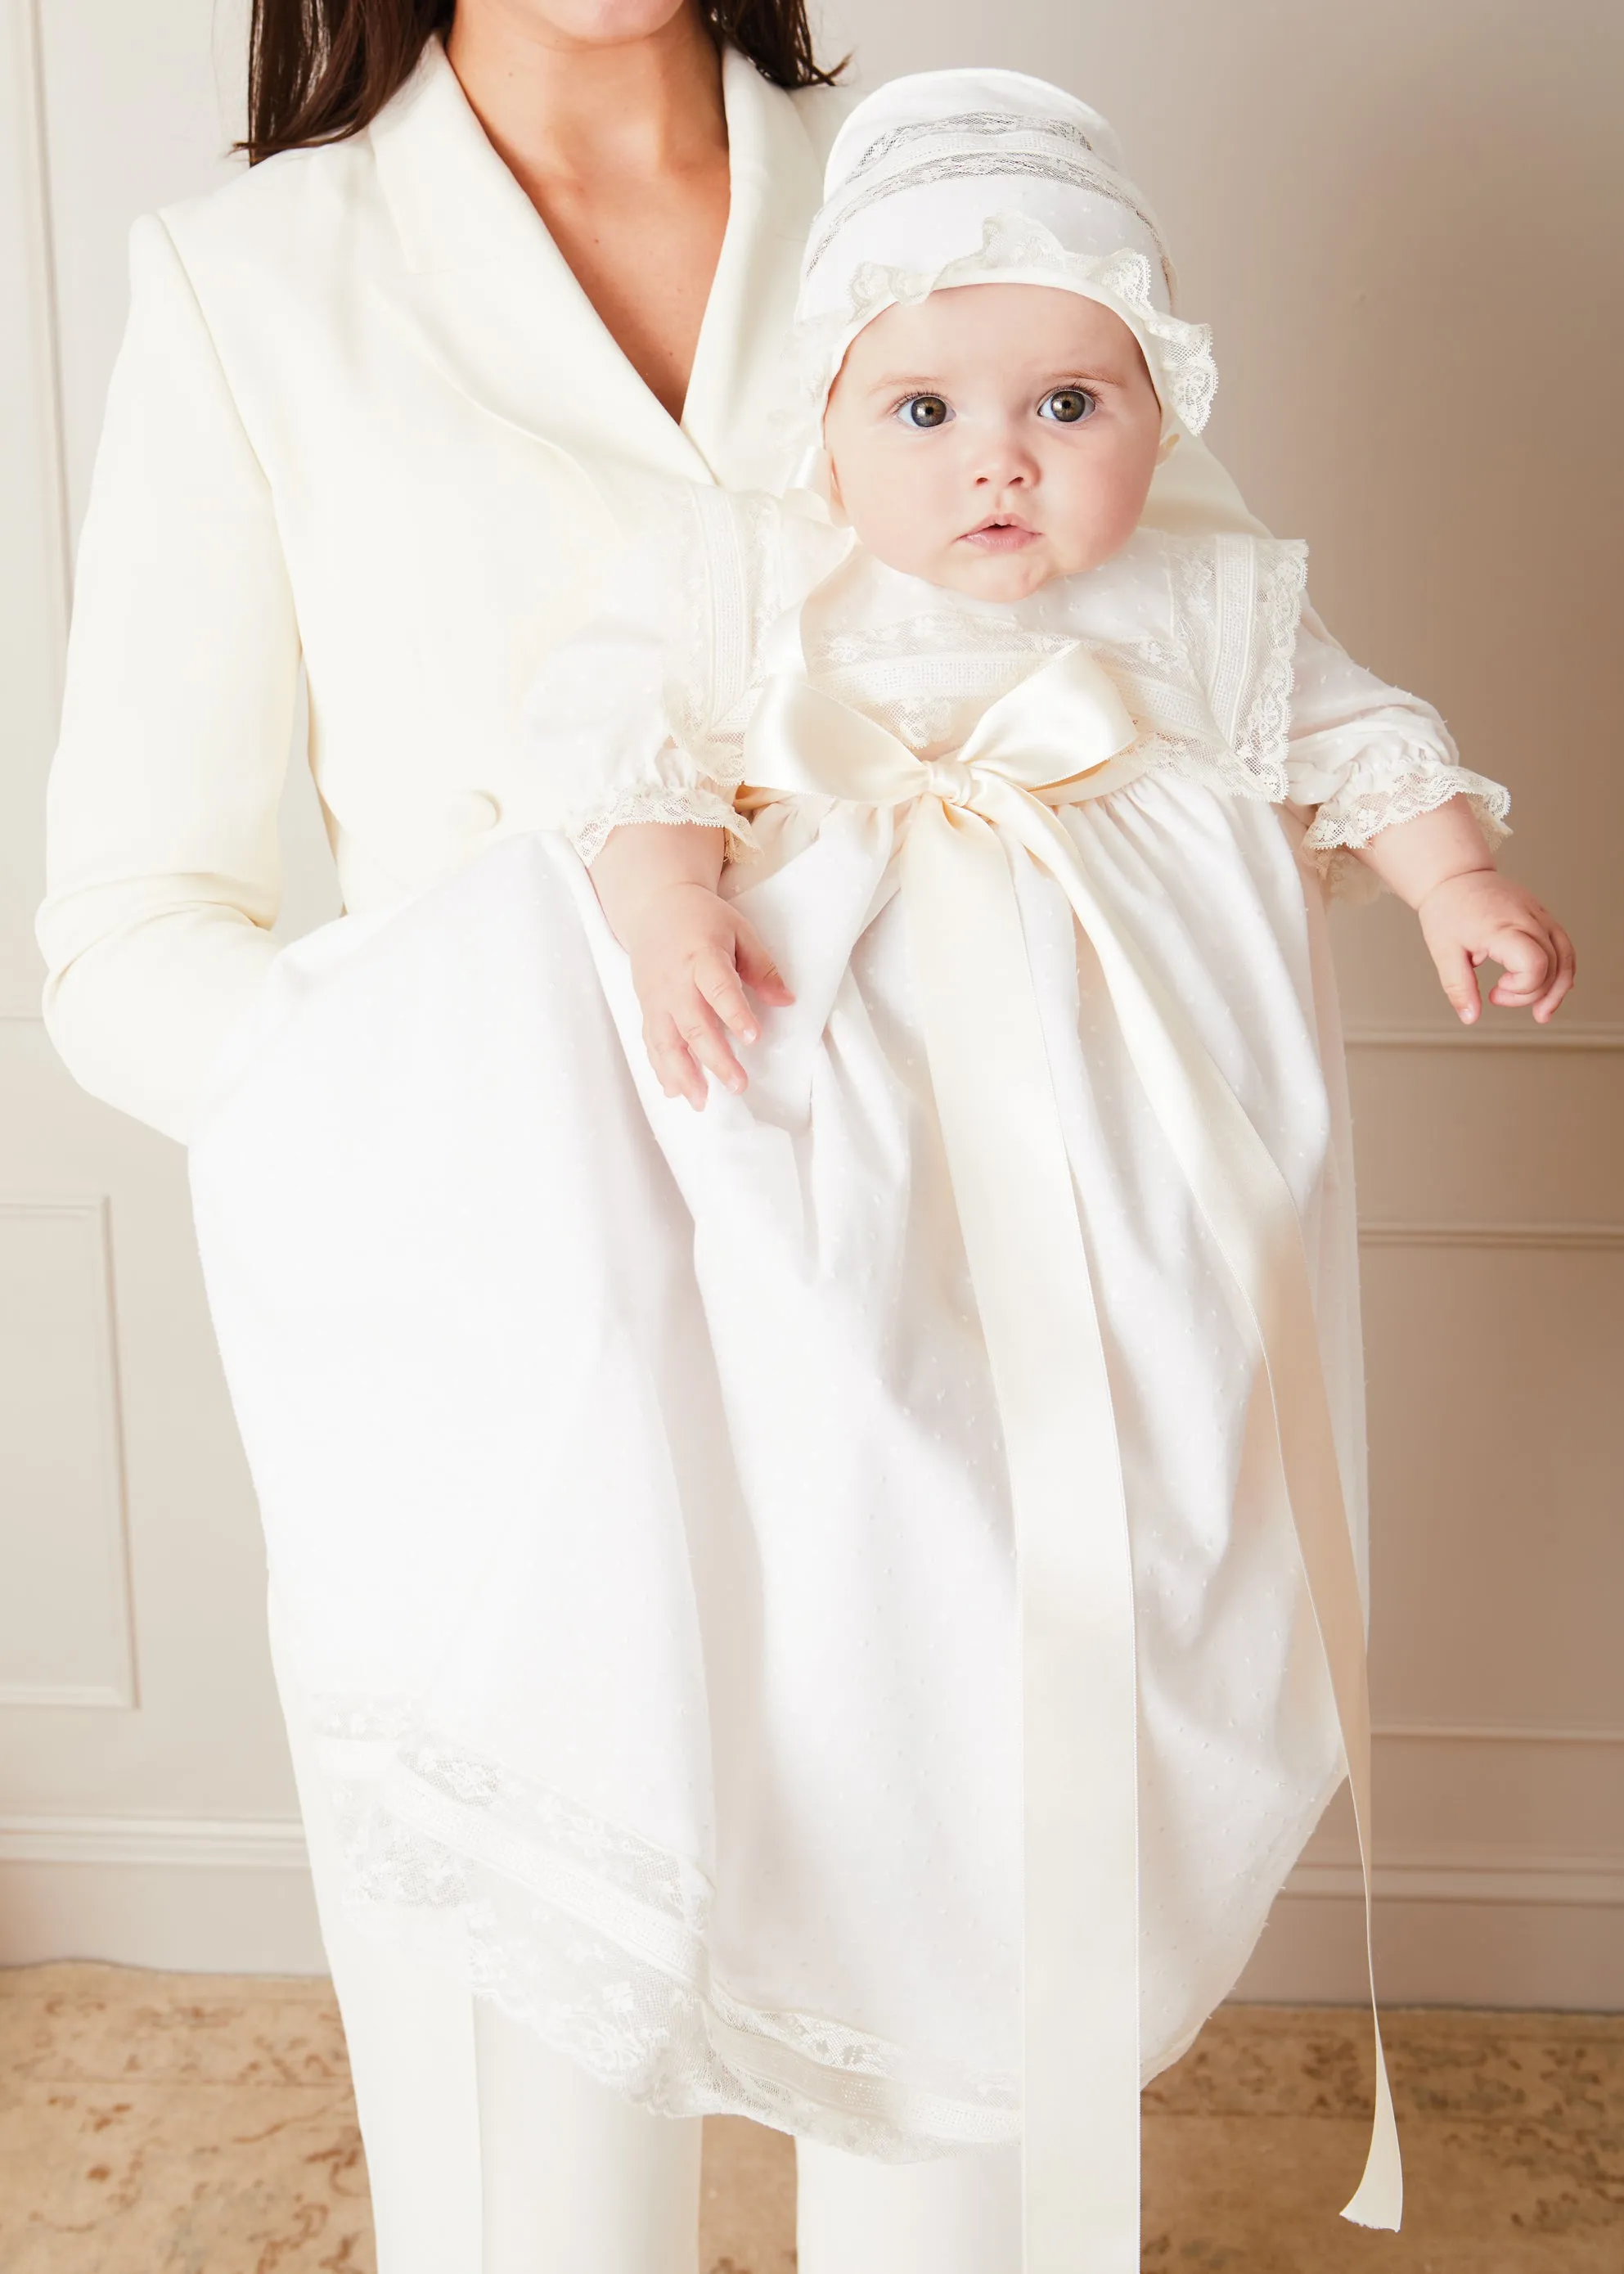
202, 2124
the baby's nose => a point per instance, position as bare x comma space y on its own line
1006, 462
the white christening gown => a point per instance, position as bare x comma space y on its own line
634, 1481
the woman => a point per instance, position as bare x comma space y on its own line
342, 434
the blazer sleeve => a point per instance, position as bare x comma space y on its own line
162, 869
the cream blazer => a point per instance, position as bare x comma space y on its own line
345, 432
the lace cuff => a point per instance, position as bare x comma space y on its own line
1388, 786
699, 800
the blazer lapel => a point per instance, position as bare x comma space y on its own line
741, 397
491, 303
489, 299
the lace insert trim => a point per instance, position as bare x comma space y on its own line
919, 674
977, 125
587, 1935
1079, 171
1246, 596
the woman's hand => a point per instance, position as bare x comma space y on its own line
1470, 915
1481, 918
692, 953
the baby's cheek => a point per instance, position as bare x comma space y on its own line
901, 517
1106, 511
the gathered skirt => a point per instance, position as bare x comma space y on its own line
633, 1482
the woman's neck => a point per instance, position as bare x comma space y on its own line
563, 111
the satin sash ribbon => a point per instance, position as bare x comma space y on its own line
1062, 735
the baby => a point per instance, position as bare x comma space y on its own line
981, 806
989, 439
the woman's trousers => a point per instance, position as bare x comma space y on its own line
488, 2153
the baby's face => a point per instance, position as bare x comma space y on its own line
992, 436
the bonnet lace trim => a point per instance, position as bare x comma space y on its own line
1010, 244
1079, 170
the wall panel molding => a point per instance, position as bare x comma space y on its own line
1524, 1035
1603, 1239
226, 1895
1485, 1927
67, 1525
1488, 1877
1493, 1732
277, 1844
195, 1842
45, 322
34, 544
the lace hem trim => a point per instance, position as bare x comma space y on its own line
595, 1940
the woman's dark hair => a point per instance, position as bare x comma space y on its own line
320, 70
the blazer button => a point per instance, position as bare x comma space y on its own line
471, 812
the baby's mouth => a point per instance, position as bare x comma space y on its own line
1000, 532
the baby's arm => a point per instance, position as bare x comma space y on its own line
1379, 776
1440, 865
635, 728
648, 810
692, 953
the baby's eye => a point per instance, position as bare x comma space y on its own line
1068, 404
923, 410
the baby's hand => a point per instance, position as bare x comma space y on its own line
692, 956
1482, 917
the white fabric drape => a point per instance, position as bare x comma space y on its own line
640, 1474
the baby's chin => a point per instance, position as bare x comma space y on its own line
962, 566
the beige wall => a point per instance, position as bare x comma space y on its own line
146, 1807
1403, 223
1373, 203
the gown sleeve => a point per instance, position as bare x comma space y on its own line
639, 716
1362, 755
599, 729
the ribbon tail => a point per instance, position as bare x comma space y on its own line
1249, 1208
1012, 1184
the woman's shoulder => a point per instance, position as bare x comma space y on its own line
286, 209
279, 254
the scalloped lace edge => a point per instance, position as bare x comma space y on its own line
1186, 372
1346, 824
661, 802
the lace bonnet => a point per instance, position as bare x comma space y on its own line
975, 177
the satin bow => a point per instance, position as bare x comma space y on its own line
1060, 736
1046, 740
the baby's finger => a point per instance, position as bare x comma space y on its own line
1567, 972
718, 982
673, 1062
1527, 959
757, 967
708, 1043
1457, 975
